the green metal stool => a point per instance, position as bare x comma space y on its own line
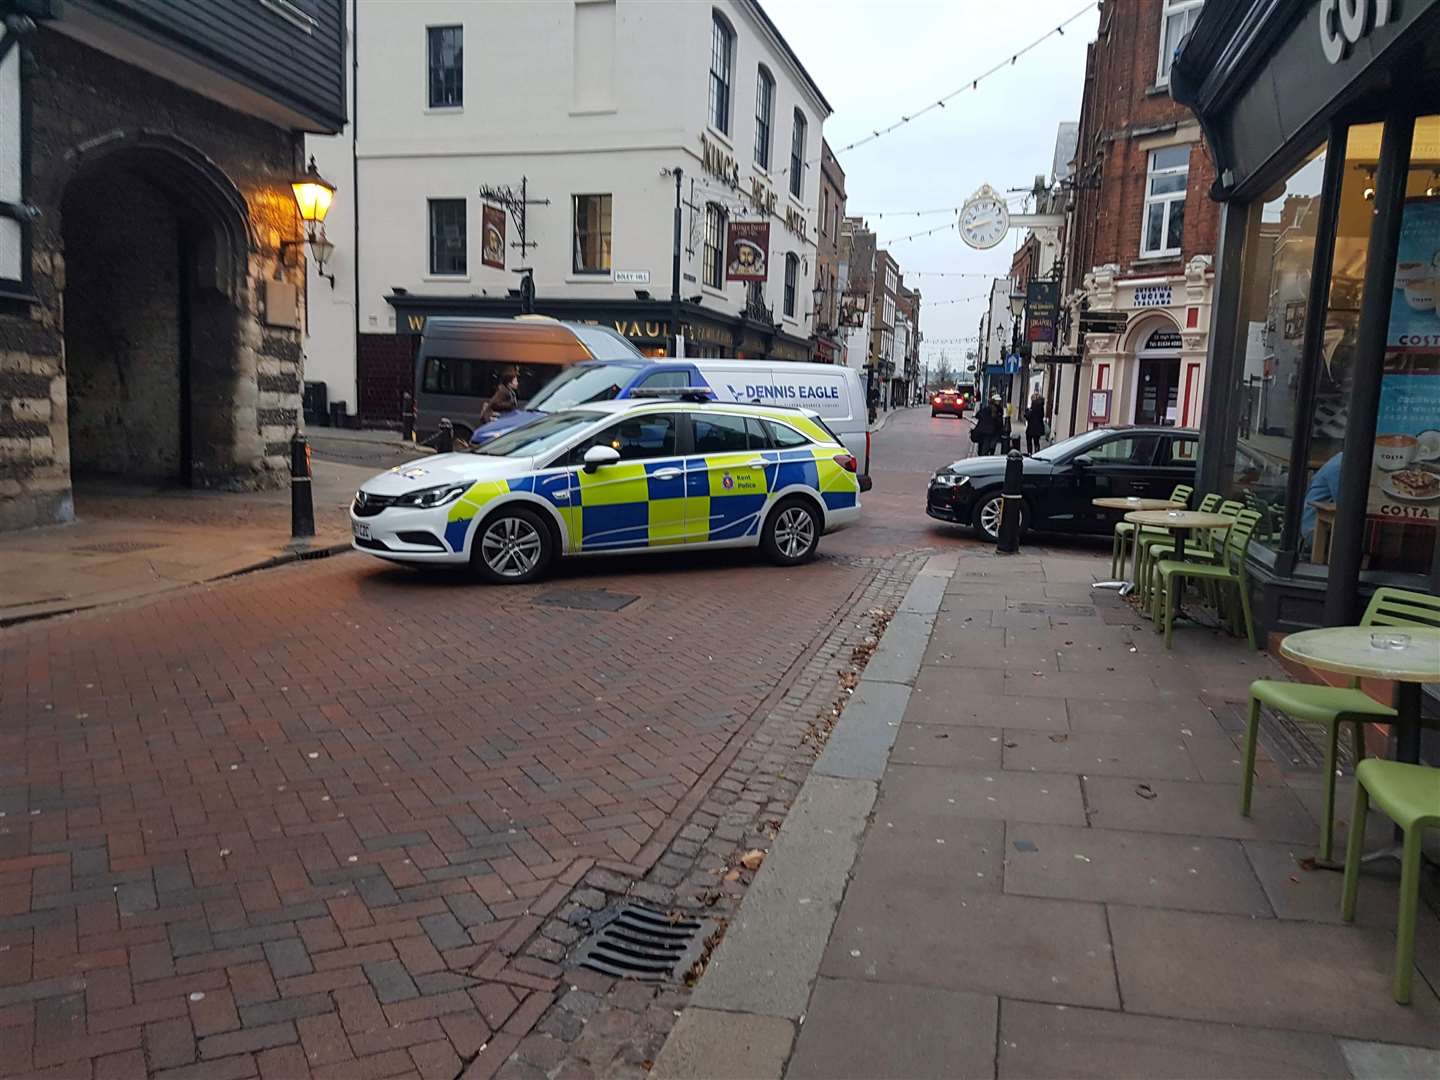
1410, 796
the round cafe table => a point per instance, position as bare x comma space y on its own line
1349, 650
1128, 502
1179, 523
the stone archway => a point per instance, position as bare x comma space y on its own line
156, 241
1151, 353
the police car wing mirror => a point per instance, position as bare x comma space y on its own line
600, 455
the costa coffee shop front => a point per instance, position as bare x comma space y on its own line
1323, 387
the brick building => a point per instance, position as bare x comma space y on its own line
825, 326
150, 318
1142, 230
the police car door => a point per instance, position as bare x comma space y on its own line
729, 503
640, 500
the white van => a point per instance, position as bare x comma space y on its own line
833, 393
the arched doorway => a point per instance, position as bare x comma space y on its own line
1156, 344
156, 243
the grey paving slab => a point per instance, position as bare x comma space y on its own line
860, 742
709, 1045
1187, 872
1041, 1041
1313, 895
897, 658
857, 1030
769, 955
1385, 1061
947, 745
1296, 975
1095, 685
964, 700
1179, 716
1219, 760
985, 648
924, 594
1195, 809
1012, 619
1100, 754
1013, 946
993, 795
955, 683
937, 855
1104, 656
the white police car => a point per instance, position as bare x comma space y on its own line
629, 475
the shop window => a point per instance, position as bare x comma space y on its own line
713, 255
764, 116
1165, 180
446, 54
1175, 22
1276, 284
792, 278
592, 234
722, 66
447, 237
797, 155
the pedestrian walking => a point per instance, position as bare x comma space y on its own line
1034, 422
989, 427
506, 397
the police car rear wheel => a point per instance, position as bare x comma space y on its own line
512, 548
791, 533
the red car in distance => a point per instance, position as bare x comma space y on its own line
948, 403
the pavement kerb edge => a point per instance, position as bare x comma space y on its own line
786, 918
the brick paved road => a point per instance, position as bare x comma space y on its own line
305, 822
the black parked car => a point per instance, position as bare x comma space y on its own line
1060, 481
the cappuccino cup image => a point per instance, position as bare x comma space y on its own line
1407, 272
1421, 293
1394, 452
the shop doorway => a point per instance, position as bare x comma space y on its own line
155, 254
1158, 391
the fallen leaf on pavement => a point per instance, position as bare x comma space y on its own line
733, 875
752, 859
1145, 791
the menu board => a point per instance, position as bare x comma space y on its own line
1405, 472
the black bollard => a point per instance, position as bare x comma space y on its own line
1009, 542
407, 416
302, 501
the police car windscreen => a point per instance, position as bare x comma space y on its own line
583, 383
538, 436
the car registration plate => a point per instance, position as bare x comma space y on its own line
362, 531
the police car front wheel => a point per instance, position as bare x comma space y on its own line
512, 547
791, 532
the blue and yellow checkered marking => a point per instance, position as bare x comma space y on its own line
626, 505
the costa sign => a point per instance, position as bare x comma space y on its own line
1344, 22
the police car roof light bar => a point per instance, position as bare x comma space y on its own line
684, 393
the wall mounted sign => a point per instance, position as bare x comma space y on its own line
747, 251
1099, 406
632, 277
1163, 341
1152, 296
1294, 319
719, 163
1344, 22
1042, 311
492, 247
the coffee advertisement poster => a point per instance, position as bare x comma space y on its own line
1405, 474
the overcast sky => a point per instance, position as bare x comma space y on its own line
876, 60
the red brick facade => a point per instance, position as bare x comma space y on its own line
385, 372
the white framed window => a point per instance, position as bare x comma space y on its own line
713, 255
447, 238
592, 234
1163, 226
764, 116
445, 48
797, 155
722, 68
792, 282
1176, 20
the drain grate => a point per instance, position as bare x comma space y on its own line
586, 599
634, 942
118, 547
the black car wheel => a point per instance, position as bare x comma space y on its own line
791, 533
987, 515
512, 547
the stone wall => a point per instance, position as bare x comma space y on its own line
228, 176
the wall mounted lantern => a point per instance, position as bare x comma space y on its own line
313, 196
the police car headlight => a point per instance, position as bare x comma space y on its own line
431, 497
944, 479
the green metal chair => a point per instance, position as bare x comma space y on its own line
1212, 548
1171, 575
1410, 796
1332, 706
1179, 498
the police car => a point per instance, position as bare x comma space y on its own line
631, 475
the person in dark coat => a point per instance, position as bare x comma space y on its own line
989, 427
505, 399
1034, 423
